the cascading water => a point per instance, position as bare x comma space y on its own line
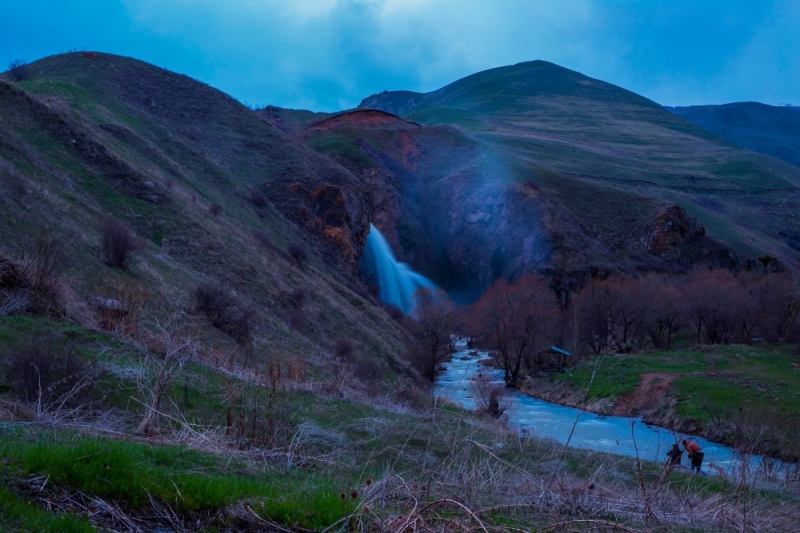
397, 281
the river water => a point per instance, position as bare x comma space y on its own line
612, 434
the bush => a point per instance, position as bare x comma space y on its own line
264, 240
117, 242
297, 320
225, 312
298, 254
31, 285
297, 298
394, 312
18, 70
368, 370
489, 397
343, 349
257, 198
47, 371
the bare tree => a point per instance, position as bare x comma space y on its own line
514, 320
170, 348
432, 323
714, 300
18, 70
662, 309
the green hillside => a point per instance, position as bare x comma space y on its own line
88, 138
556, 122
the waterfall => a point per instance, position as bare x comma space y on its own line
397, 281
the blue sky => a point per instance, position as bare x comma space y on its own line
327, 55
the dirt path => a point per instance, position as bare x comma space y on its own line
648, 394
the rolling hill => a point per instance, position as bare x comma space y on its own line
607, 165
214, 194
771, 130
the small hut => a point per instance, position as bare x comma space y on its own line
551, 360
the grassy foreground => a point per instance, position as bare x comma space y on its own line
278, 448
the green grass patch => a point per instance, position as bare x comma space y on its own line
712, 382
17, 514
184, 479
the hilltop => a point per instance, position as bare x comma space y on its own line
599, 169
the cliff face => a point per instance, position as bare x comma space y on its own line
668, 230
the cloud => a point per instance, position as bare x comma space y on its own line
328, 54
336, 52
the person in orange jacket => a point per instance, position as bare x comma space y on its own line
695, 453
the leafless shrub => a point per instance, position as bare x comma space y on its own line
31, 284
48, 372
264, 240
297, 320
298, 254
257, 198
297, 298
367, 370
255, 412
215, 209
164, 352
343, 349
122, 311
490, 398
18, 70
394, 312
225, 312
117, 243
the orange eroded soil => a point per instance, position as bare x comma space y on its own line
648, 394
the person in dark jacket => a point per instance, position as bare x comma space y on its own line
695, 454
674, 455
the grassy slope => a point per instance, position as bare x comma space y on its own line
588, 131
118, 137
771, 130
389, 464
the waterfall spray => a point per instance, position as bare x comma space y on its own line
397, 281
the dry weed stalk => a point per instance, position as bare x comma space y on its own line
173, 347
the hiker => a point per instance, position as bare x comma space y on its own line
694, 453
674, 455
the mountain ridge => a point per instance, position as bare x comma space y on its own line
771, 130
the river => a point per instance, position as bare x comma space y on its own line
612, 434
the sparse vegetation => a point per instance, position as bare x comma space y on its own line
225, 312
32, 284
117, 243
298, 254
18, 70
48, 374
257, 198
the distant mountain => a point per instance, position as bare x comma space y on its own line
771, 130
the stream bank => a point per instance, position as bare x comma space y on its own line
620, 435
